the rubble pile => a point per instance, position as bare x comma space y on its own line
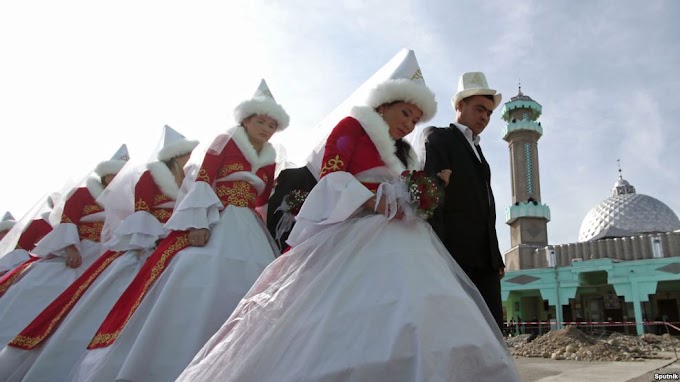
572, 344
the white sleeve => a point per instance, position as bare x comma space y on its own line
140, 230
13, 259
337, 197
55, 242
200, 208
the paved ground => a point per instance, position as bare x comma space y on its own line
547, 370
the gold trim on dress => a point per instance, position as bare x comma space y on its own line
28, 343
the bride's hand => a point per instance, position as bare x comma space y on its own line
382, 208
199, 237
73, 258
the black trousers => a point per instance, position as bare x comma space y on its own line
488, 283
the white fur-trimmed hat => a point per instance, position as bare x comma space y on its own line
472, 84
115, 164
405, 84
7, 222
262, 103
174, 144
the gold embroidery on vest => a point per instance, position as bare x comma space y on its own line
240, 193
228, 169
160, 198
91, 230
333, 164
203, 176
92, 208
141, 205
161, 214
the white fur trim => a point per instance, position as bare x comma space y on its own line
267, 154
164, 179
109, 167
262, 106
379, 132
7, 225
407, 91
95, 187
176, 149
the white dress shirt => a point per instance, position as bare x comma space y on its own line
468, 136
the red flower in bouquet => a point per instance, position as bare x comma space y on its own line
294, 201
426, 194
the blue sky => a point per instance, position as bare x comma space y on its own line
78, 78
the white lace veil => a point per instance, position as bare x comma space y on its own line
42, 209
357, 98
118, 197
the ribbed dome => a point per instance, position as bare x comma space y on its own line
627, 213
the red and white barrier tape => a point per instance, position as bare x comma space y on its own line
595, 323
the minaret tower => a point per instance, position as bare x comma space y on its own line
527, 217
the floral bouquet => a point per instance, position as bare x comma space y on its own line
290, 207
425, 192
294, 200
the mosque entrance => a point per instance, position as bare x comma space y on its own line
668, 311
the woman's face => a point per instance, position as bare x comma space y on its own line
106, 179
401, 117
259, 128
182, 160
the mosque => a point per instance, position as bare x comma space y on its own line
625, 268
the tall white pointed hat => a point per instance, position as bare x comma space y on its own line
7, 222
262, 103
174, 144
115, 164
406, 83
474, 83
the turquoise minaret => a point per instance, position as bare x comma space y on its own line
527, 217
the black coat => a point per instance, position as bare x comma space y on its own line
466, 221
288, 180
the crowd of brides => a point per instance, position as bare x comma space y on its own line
167, 270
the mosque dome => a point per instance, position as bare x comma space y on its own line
627, 213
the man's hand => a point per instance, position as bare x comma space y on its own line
445, 175
501, 272
199, 237
73, 258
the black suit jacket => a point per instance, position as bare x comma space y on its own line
288, 180
466, 221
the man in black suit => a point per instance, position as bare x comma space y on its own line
288, 181
466, 221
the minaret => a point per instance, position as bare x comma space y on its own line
527, 216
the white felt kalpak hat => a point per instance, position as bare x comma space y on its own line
474, 83
174, 144
405, 84
262, 103
7, 222
115, 164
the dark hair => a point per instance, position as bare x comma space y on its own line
170, 163
402, 150
487, 96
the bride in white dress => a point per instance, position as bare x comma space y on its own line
367, 292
